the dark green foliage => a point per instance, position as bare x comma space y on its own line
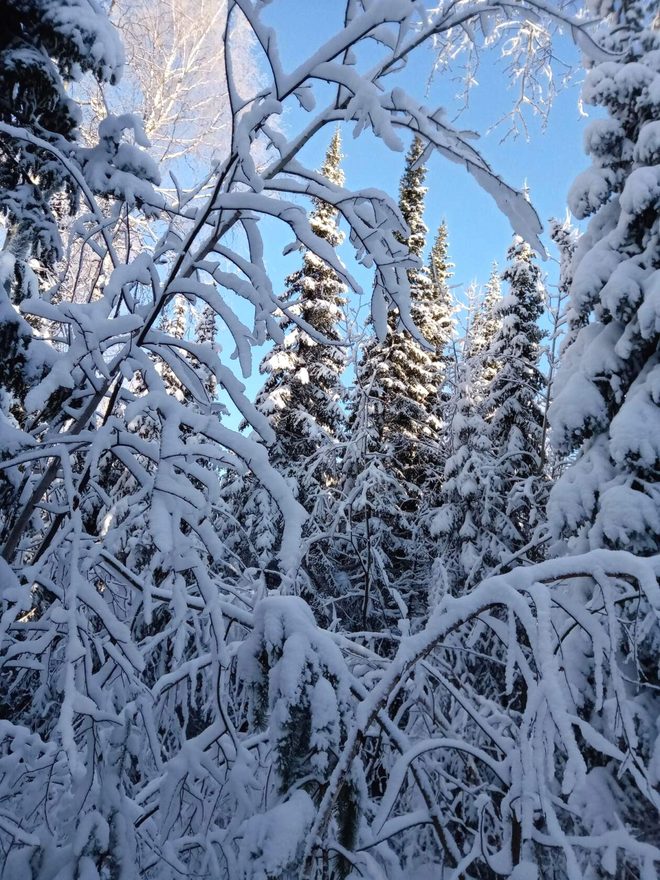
43, 44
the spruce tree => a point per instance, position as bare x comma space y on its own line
513, 398
43, 44
403, 374
484, 325
437, 324
605, 415
605, 418
205, 334
174, 323
302, 394
396, 411
467, 525
440, 328
302, 397
371, 526
493, 491
565, 236
561, 333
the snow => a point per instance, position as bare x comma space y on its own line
464, 669
649, 311
603, 137
272, 841
642, 191
590, 190
123, 170
647, 148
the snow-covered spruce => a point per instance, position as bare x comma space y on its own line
606, 412
484, 325
395, 425
45, 43
512, 402
467, 523
302, 395
404, 374
493, 492
45, 177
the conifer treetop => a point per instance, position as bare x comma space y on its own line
331, 167
484, 326
302, 393
438, 328
440, 265
513, 397
411, 197
323, 219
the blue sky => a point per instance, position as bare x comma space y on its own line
479, 233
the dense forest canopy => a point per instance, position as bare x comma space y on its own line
403, 620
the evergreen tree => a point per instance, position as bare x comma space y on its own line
458, 517
396, 410
468, 523
371, 526
206, 329
174, 324
484, 325
43, 43
440, 329
402, 374
390, 421
467, 371
605, 415
436, 322
493, 488
399, 371
565, 236
513, 399
302, 394
561, 333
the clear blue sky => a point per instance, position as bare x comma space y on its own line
478, 232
